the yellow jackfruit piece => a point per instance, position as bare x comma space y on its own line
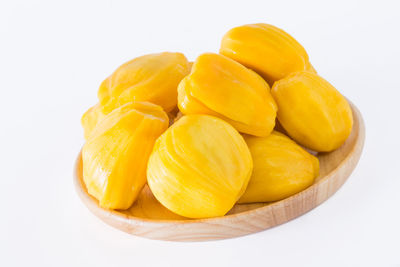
312, 111
90, 119
221, 87
153, 78
199, 167
116, 154
147, 206
281, 168
266, 49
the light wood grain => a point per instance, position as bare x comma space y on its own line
335, 168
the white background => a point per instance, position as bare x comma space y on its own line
53, 56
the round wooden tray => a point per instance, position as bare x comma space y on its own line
335, 168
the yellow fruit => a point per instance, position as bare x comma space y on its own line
90, 119
281, 168
312, 111
221, 87
266, 49
116, 154
153, 78
178, 116
147, 206
199, 167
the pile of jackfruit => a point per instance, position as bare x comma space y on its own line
190, 140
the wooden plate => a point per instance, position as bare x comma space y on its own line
335, 168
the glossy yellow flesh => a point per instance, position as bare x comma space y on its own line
90, 119
153, 78
199, 167
268, 50
312, 111
116, 154
147, 206
281, 168
221, 87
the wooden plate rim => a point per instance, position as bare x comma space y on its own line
92, 203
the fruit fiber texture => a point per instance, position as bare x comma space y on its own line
199, 167
90, 119
153, 78
147, 206
116, 154
312, 111
266, 49
221, 87
281, 168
